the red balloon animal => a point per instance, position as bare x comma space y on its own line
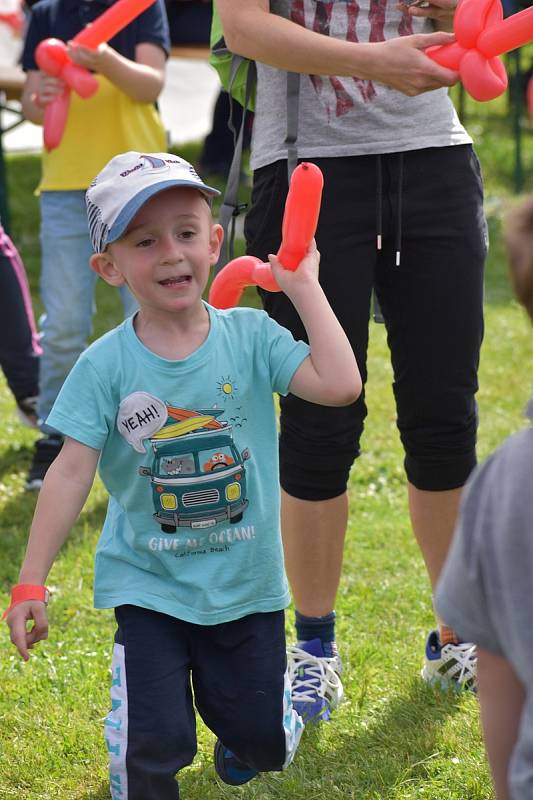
52, 57
482, 35
300, 219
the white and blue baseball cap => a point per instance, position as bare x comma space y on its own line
126, 183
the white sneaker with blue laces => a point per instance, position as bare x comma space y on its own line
315, 680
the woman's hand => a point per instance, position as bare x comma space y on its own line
441, 10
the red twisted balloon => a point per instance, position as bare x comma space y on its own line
300, 219
52, 57
482, 35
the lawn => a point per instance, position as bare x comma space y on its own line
393, 738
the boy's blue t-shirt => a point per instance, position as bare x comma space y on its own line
189, 457
63, 19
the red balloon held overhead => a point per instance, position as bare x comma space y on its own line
300, 220
52, 57
483, 35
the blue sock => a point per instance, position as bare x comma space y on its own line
322, 628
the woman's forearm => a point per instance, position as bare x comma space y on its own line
252, 31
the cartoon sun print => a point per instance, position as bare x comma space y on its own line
226, 388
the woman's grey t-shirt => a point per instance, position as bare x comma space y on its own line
485, 590
347, 116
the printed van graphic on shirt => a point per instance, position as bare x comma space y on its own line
197, 474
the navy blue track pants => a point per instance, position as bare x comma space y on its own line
234, 673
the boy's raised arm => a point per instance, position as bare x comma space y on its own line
330, 375
62, 497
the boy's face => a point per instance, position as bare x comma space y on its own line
166, 252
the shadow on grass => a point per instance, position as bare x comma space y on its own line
393, 750
364, 763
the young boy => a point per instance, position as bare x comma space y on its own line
176, 407
485, 590
121, 116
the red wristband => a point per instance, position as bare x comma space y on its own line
26, 591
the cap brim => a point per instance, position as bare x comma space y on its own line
133, 206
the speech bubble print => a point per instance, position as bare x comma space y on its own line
139, 416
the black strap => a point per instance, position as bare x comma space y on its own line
231, 208
293, 109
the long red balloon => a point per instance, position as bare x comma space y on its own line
55, 119
300, 220
111, 22
300, 217
482, 35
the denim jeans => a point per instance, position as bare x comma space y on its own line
67, 291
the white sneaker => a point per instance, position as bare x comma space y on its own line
316, 686
450, 664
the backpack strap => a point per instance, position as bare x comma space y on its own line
231, 208
293, 109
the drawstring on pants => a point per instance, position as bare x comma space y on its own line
379, 202
399, 210
379, 207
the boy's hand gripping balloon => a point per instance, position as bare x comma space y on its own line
482, 35
52, 57
300, 219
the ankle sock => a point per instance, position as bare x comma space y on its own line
447, 635
322, 628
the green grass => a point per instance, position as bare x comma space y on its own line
394, 738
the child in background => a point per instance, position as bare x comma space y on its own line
176, 407
485, 589
120, 116
19, 341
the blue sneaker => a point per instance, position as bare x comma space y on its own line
450, 664
229, 768
316, 685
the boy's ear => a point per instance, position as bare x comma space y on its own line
215, 242
104, 266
